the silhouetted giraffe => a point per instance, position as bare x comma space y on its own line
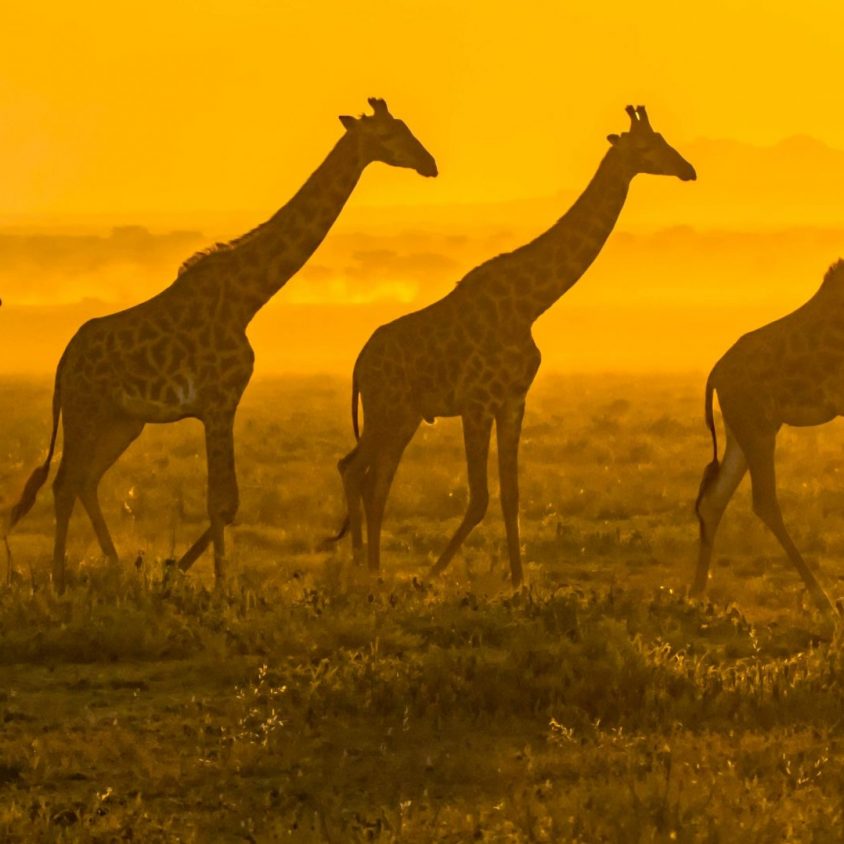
788, 372
184, 353
471, 354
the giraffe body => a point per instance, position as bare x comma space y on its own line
789, 372
184, 353
472, 355
441, 362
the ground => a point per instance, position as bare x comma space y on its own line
307, 701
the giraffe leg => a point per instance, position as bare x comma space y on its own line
760, 459
79, 438
352, 470
222, 485
65, 490
92, 443
196, 550
476, 432
713, 502
387, 446
508, 428
111, 443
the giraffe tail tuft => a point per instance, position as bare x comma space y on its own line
711, 471
344, 529
39, 476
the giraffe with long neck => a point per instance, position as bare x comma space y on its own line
472, 355
788, 372
184, 353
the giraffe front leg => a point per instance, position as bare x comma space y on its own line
222, 486
760, 459
508, 428
477, 428
80, 435
114, 438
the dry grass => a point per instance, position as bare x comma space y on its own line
309, 702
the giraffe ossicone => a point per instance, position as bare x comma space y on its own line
471, 354
184, 353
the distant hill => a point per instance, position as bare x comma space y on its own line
796, 182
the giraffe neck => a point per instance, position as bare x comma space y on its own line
267, 257
560, 256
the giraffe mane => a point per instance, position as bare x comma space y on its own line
216, 249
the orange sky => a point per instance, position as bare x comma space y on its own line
207, 116
166, 106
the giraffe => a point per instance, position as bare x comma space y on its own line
471, 354
184, 353
788, 372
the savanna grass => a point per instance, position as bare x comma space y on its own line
309, 701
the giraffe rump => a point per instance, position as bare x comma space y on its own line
711, 471
39, 476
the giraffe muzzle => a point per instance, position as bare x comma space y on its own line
429, 169
688, 173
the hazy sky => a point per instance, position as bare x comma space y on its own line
171, 105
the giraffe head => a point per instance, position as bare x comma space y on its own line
383, 137
646, 151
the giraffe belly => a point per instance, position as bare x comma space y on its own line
432, 406
808, 417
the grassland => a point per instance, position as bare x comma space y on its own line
309, 702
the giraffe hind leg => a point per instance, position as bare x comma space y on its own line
386, 446
716, 492
112, 442
65, 491
353, 468
90, 448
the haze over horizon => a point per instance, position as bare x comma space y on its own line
122, 155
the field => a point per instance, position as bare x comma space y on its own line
309, 702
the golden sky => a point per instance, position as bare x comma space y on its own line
169, 105
207, 116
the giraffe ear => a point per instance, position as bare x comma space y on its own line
348, 121
613, 139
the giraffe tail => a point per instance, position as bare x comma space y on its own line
355, 406
711, 471
336, 537
39, 476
